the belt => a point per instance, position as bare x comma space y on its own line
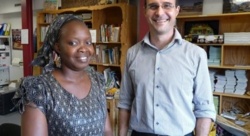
136, 133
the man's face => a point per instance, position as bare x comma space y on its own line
161, 15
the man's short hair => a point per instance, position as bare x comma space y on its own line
176, 3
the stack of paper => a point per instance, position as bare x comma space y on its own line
237, 37
212, 78
220, 83
241, 85
214, 55
231, 81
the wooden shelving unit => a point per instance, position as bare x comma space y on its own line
120, 14
233, 56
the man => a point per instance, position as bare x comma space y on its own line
165, 86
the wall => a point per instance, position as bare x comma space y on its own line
12, 14
8, 6
16, 23
12, 6
143, 27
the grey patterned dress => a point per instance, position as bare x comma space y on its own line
66, 114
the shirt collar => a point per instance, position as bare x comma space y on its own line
177, 39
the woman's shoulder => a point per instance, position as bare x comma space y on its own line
32, 89
94, 73
97, 77
30, 81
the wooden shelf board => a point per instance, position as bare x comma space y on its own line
213, 15
84, 8
237, 44
101, 64
108, 42
217, 44
4, 51
87, 20
208, 44
232, 95
43, 24
230, 67
4, 36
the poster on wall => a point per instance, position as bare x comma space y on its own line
50, 5
190, 7
231, 6
16, 36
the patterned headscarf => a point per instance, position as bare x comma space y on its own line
45, 54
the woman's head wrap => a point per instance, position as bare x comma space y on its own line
45, 54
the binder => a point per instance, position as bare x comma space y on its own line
7, 31
2, 29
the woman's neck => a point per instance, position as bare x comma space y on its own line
70, 75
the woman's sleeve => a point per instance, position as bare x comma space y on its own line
31, 92
101, 79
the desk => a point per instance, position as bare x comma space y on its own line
6, 94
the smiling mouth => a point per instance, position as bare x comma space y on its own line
161, 20
84, 59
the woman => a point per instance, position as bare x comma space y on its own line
68, 99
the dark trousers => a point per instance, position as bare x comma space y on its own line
135, 133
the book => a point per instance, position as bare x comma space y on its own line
2, 28
98, 53
216, 103
7, 30
116, 34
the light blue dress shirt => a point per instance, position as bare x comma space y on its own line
166, 90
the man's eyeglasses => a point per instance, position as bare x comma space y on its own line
165, 6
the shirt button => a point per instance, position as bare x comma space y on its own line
157, 105
157, 123
158, 68
157, 86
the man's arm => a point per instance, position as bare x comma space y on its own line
124, 116
108, 129
204, 109
202, 126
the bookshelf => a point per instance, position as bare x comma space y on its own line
234, 56
119, 15
5, 58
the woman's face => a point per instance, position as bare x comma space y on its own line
75, 47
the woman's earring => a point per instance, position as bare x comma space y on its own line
57, 61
